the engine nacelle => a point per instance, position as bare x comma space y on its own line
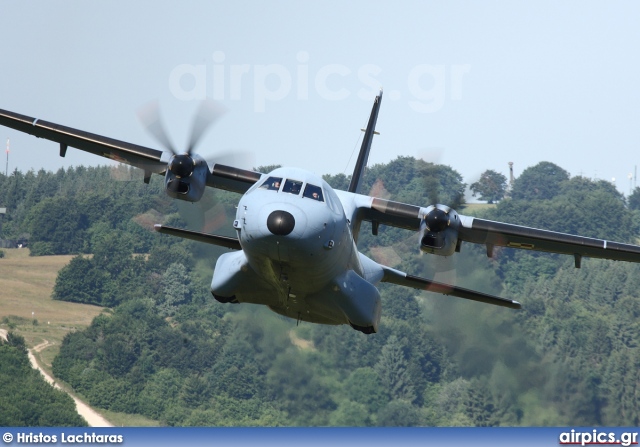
186, 177
439, 231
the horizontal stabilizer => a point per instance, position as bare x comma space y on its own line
397, 277
222, 241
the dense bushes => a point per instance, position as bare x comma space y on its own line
25, 398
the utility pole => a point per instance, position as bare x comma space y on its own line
6, 169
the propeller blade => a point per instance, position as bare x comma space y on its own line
432, 184
208, 113
149, 115
428, 161
237, 158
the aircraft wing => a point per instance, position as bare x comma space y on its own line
490, 233
139, 156
151, 161
497, 234
387, 212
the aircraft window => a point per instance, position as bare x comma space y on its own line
272, 183
292, 187
313, 192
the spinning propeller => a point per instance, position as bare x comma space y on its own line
182, 164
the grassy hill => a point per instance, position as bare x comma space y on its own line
26, 306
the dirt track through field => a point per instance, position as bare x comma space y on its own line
91, 416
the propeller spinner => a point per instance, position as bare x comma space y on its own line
437, 219
182, 165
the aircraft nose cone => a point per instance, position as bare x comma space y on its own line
280, 223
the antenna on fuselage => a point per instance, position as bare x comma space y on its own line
363, 156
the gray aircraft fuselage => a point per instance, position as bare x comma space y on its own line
298, 254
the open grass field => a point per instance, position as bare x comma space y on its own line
26, 305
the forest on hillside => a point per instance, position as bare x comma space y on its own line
167, 350
26, 400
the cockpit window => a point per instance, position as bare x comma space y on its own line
292, 187
313, 192
272, 183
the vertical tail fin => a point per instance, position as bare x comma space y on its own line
363, 156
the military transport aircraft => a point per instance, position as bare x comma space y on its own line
296, 245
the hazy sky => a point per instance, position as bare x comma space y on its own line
470, 84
